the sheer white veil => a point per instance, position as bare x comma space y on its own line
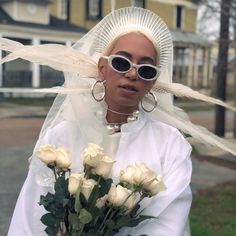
74, 102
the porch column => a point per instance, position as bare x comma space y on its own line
35, 68
182, 67
209, 69
205, 67
68, 43
195, 69
177, 66
1, 68
190, 67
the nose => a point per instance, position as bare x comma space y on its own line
132, 74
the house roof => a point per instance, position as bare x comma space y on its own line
189, 38
41, 2
54, 23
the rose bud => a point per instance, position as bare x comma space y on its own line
104, 166
87, 187
63, 159
47, 154
118, 196
75, 181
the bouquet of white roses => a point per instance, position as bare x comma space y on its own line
89, 203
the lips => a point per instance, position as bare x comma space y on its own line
129, 88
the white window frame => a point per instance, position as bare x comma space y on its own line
138, 3
94, 9
62, 9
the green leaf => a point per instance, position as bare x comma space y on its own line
65, 201
134, 210
46, 200
77, 201
61, 186
73, 218
83, 200
49, 219
131, 222
94, 196
51, 231
85, 216
110, 224
57, 210
105, 185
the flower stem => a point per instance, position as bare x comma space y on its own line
102, 226
55, 173
141, 198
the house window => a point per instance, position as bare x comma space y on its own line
94, 9
64, 9
138, 3
179, 17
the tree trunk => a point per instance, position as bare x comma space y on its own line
234, 91
222, 66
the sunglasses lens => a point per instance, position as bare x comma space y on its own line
120, 64
147, 72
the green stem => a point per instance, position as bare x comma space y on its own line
101, 228
86, 172
55, 173
141, 198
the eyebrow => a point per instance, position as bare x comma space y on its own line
129, 56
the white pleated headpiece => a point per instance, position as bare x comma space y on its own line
134, 19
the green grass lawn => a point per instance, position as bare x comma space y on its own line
213, 211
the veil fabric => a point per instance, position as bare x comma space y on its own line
79, 64
76, 119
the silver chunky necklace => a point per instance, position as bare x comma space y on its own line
116, 127
119, 113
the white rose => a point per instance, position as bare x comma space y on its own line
92, 155
101, 201
63, 159
155, 186
118, 196
144, 174
87, 187
104, 166
75, 181
127, 175
131, 201
139, 174
47, 154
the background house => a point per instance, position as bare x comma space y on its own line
30, 22
65, 21
191, 50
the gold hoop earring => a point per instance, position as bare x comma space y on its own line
154, 99
93, 87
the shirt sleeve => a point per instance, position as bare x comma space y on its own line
172, 206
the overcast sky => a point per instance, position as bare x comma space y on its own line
208, 22
209, 19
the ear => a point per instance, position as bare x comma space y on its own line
101, 68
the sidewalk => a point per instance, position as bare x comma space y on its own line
10, 110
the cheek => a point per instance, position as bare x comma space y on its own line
147, 86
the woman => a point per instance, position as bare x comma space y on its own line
133, 51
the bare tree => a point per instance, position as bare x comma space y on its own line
222, 66
234, 60
223, 11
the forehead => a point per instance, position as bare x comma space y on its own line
136, 44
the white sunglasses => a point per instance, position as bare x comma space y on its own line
121, 64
